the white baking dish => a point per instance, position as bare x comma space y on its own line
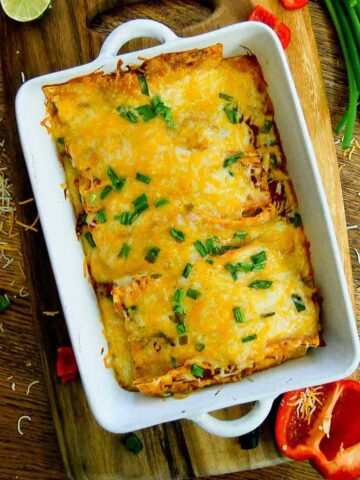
114, 408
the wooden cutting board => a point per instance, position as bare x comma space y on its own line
71, 33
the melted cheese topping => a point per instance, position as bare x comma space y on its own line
213, 152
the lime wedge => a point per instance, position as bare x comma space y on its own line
25, 10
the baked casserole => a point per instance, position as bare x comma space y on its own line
188, 218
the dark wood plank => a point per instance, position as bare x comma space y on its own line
70, 34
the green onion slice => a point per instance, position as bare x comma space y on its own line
161, 202
4, 302
266, 315
187, 270
260, 284
197, 371
232, 159
147, 112
249, 338
124, 252
127, 113
267, 126
181, 328
298, 302
143, 178
152, 254
193, 293
143, 83
118, 183
200, 247
90, 239
101, 216
199, 347
177, 234
238, 315
240, 235
133, 444
105, 191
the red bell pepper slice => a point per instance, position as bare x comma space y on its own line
261, 14
66, 367
294, 4
322, 424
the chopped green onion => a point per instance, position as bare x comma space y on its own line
178, 295
225, 96
232, 269
258, 257
4, 302
143, 178
127, 113
187, 270
105, 191
147, 112
177, 234
152, 254
118, 183
210, 261
143, 83
260, 284
270, 143
298, 302
193, 293
101, 216
179, 311
83, 218
140, 203
267, 126
232, 159
249, 338
197, 371
124, 252
200, 247
181, 328
161, 202
232, 113
163, 110
110, 298
238, 315
273, 160
250, 440
199, 347
133, 444
266, 315
90, 239
244, 267
92, 197
240, 235
183, 339
297, 220
124, 218
61, 140
173, 362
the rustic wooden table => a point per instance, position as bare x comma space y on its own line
36, 455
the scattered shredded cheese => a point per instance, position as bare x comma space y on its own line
30, 385
23, 417
22, 292
13, 386
352, 227
50, 313
357, 255
29, 227
24, 202
23, 79
307, 402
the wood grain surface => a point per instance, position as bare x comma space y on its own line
172, 450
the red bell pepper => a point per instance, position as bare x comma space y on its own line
66, 367
261, 14
294, 4
322, 424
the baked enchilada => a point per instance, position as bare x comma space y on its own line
188, 218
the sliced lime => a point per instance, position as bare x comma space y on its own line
25, 10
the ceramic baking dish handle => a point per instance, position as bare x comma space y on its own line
135, 29
238, 427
